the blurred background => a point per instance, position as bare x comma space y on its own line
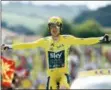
26, 21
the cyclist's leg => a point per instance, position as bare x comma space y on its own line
51, 83
65, 82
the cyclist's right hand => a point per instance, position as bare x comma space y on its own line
5, 47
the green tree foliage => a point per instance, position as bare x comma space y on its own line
102, 15
89, 28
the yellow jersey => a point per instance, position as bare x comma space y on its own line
57, 51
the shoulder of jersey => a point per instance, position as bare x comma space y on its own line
66, 36
47, 38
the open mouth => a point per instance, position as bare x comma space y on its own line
54, 31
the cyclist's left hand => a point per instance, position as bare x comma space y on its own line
105, 39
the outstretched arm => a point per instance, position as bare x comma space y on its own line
86, 41
24, 45
38, 43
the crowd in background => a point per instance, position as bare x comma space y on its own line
31, 63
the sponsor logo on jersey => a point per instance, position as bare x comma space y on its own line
60, 46
51, 47
52, 44
56, 59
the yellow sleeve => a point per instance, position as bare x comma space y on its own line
83, 41
38, 43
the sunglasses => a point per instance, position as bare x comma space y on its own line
54, 24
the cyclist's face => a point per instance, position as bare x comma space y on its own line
55, 30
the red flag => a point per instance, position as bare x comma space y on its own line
8, 69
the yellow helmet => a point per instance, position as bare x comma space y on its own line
55, 20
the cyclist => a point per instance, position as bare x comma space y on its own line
56, 47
